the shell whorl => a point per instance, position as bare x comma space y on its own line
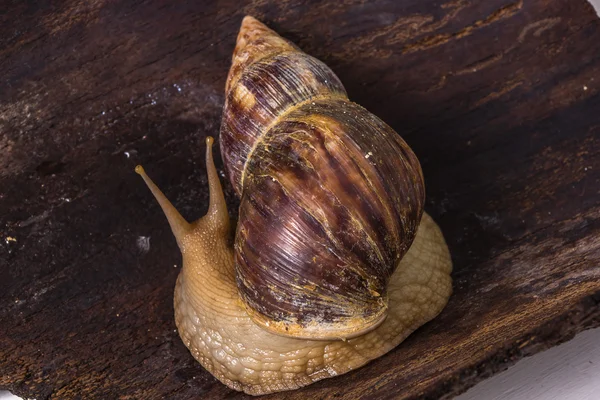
263, 84
331, 196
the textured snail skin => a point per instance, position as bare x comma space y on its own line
333, 262
214, 325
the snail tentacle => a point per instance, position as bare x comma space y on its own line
214, 324
217, 209
334, 261
179, 225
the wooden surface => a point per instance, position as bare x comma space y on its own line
499, 99
566, 372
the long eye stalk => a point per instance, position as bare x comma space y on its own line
179, 225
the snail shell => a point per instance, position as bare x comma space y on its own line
331, 196
331, 200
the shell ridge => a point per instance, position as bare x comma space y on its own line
276, 121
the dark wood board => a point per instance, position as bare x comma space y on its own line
500, 99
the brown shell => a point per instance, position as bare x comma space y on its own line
331, 196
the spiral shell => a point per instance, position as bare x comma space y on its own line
331, 196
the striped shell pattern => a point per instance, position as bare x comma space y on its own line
331, 196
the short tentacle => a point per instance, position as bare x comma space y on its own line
217, 209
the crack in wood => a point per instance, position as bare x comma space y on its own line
443, 38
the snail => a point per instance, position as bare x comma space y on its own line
334, 262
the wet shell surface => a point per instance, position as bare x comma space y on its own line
331, 196
334, 262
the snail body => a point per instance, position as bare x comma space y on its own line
333, 262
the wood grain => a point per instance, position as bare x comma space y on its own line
499, 99
567, 372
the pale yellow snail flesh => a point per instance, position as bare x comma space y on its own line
214, 325
240, 346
